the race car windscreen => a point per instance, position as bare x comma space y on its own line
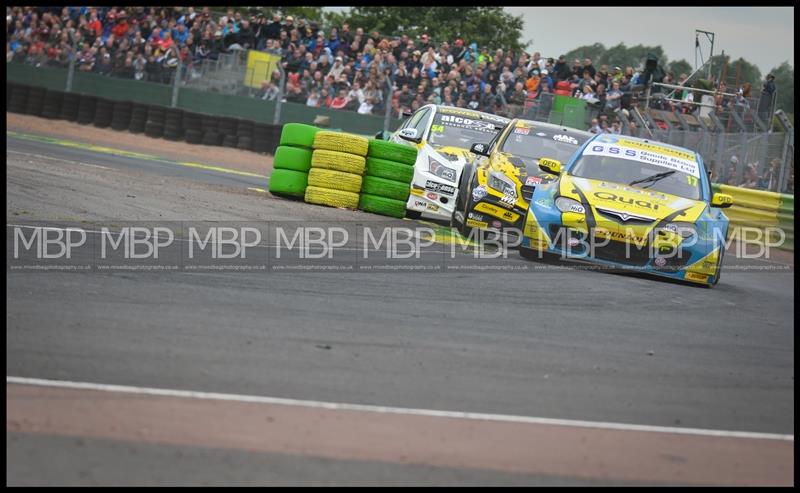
460, 131
637, 173
528, 143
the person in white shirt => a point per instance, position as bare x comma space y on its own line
365, 108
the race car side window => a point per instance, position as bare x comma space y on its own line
421, 123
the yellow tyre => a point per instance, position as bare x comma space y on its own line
341, 142
334, 180
332, 198
338, 161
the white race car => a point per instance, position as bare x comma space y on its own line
442, 136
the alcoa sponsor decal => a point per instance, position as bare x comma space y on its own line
497, 212
645, 156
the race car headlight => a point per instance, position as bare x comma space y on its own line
684, 229
441, 170
501, 184
565, 204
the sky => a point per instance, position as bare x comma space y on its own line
764, 36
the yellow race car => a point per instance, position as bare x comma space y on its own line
496, 186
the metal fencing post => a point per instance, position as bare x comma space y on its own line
783, 175
176, 82
281, 86
388, 103
71, 69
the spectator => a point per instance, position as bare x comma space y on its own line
614, 98
270, 90
765, 103
340, 101
769, 180
731, 176
750, 176
595, 126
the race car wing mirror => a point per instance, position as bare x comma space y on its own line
721, 200
480, 149
551, 166
409, 134
379, 135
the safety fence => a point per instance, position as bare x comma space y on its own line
205, 99
771, 213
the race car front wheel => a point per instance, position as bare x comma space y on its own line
719, 267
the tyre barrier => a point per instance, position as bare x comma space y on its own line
262, 137
341, 142
194, 136
244, 133
387, 184
227, 126
121, 118
154, 129
173, 124
153, 120
192, 121
103, 113
390, 151
52, 104
10, 88
86, 109
229, 140
69, 107
35, 102
766, 211
138, 118
292, 161
19, 98
212, 138
337, 168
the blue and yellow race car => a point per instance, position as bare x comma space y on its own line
630, 203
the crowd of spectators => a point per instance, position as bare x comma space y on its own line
334, 67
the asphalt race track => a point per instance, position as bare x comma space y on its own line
556, 342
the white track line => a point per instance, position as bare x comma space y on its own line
391, 410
